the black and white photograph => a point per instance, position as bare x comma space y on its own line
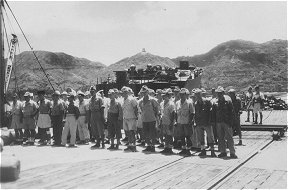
143, 94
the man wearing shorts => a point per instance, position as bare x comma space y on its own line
44, 121
16, 113
248, 103
185, 113
258, 104
130, 112
29, 109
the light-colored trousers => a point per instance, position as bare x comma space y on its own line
225, 132
70, 126
83, 129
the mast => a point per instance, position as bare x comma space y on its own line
2, 69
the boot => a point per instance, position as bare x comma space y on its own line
111, 147
169, 151
213, 153
164, 151
203, 153
256, 118
261, 117
133, 148
103, 141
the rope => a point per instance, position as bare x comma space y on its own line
29, 45
268, 115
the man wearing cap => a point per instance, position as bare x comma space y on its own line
222, 115
203, 124
175, 99
44, 120
16, 112
130, 112
96, 117
159, 128
139, 122
57, 114
71, 115
258, 104
185, 112
248, 103
113, 120
168, 120
82, 122
236, 101
30, 110
150, 111
213, 99
64, 99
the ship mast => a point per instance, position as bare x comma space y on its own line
2, 69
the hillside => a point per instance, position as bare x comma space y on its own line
239, 63
63, 71
140, 60
236, 63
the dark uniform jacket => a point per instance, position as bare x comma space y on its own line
223, 111
236, 105
203, 112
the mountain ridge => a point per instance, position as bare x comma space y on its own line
235, 63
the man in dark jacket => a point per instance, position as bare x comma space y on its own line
202, 119
236, 101
223, 113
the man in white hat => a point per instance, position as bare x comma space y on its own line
44, 120
57, 115
130, 113
258, 104
150, 112
64, 99
16, 112
223, 114
114, 119
168, 120
203, 124
71, 116
30, 110
248, 103
185, 113
82, 122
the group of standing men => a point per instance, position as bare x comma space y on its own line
171, 116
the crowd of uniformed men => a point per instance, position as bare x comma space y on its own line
176, 119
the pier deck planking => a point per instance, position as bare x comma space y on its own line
47, 167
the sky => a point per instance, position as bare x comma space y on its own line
109, 31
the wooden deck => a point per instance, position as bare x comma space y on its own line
275, 117
262, 163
